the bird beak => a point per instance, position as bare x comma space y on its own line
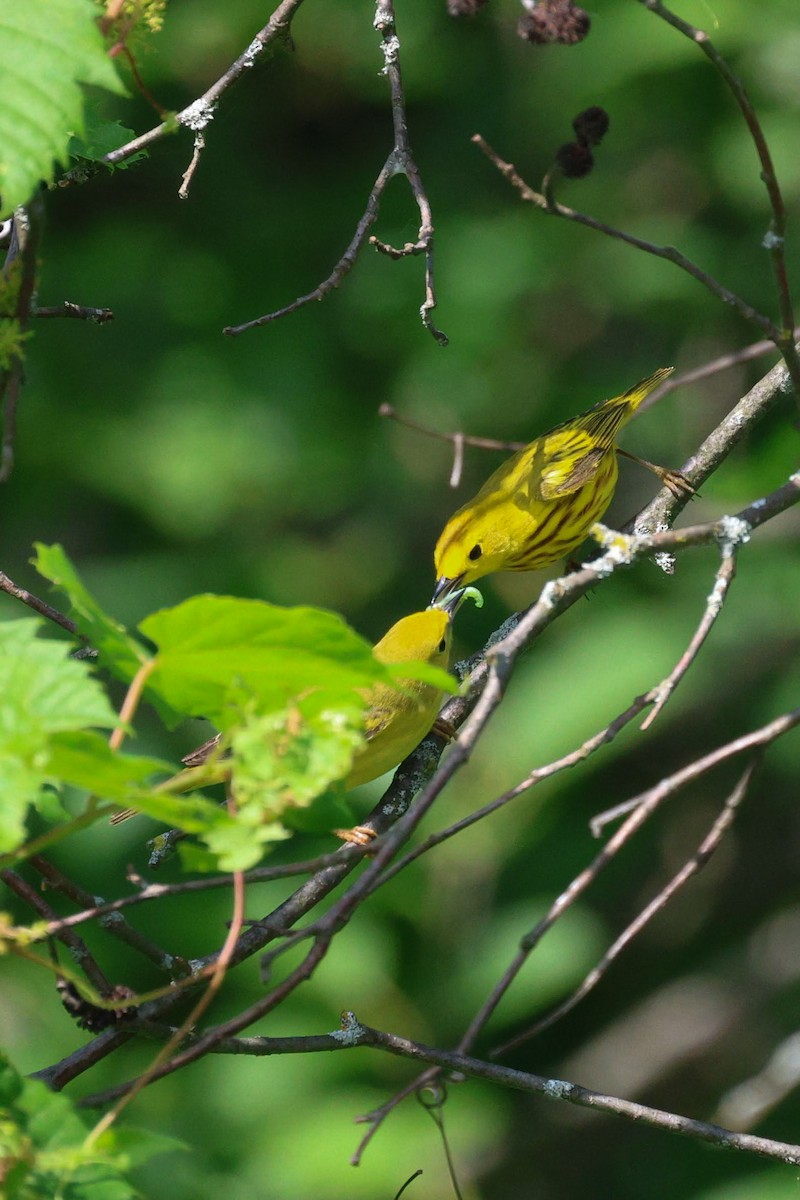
452, 602
444, 588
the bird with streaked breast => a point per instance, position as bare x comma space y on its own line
540, 504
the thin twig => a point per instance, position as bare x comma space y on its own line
75, 944
648, 800
157, 891
40, 606
459, 439
670, 253
399, 162
699, 859
79, 312
662, 510
215, 983
376, 1116
218, 972
560, 1089
775, 240
22, 256
203, 1044
188, 174
486, 687
716, 598
713, 367
354, 1035
198, 114
643, 807
131, 702
603, 738
110, 920
343, 266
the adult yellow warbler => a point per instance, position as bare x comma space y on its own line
396, 718
542, 502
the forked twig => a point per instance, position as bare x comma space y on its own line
400, 162
663, 691
699, 859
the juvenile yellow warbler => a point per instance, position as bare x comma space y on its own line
397, 721
542, 502
396, 718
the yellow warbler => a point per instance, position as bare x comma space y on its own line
396, 719
542, 502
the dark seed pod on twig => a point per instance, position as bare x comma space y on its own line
574, 160
464, 8
591, 126
550, 22
88, 1015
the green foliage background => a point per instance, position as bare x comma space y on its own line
169, 460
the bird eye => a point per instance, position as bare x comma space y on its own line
475, 553
442, 645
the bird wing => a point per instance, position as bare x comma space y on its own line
570, 455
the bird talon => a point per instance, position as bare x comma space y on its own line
359, 835
444, 729
678, 484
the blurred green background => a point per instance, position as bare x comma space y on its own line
171, 460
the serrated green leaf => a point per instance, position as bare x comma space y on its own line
45, 694
286, 759
99, 138
43, 1146
47, 49
192, 812
219, 654
121, 653
43, 689
238, 846
19, 787
85, 760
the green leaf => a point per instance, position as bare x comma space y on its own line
197, 858
239, 846
43, 1146
138, 1146
47, 49
191, 812
285, 760
85, 760
43, 689
99, 138
45, 694
121, 653
218, 655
